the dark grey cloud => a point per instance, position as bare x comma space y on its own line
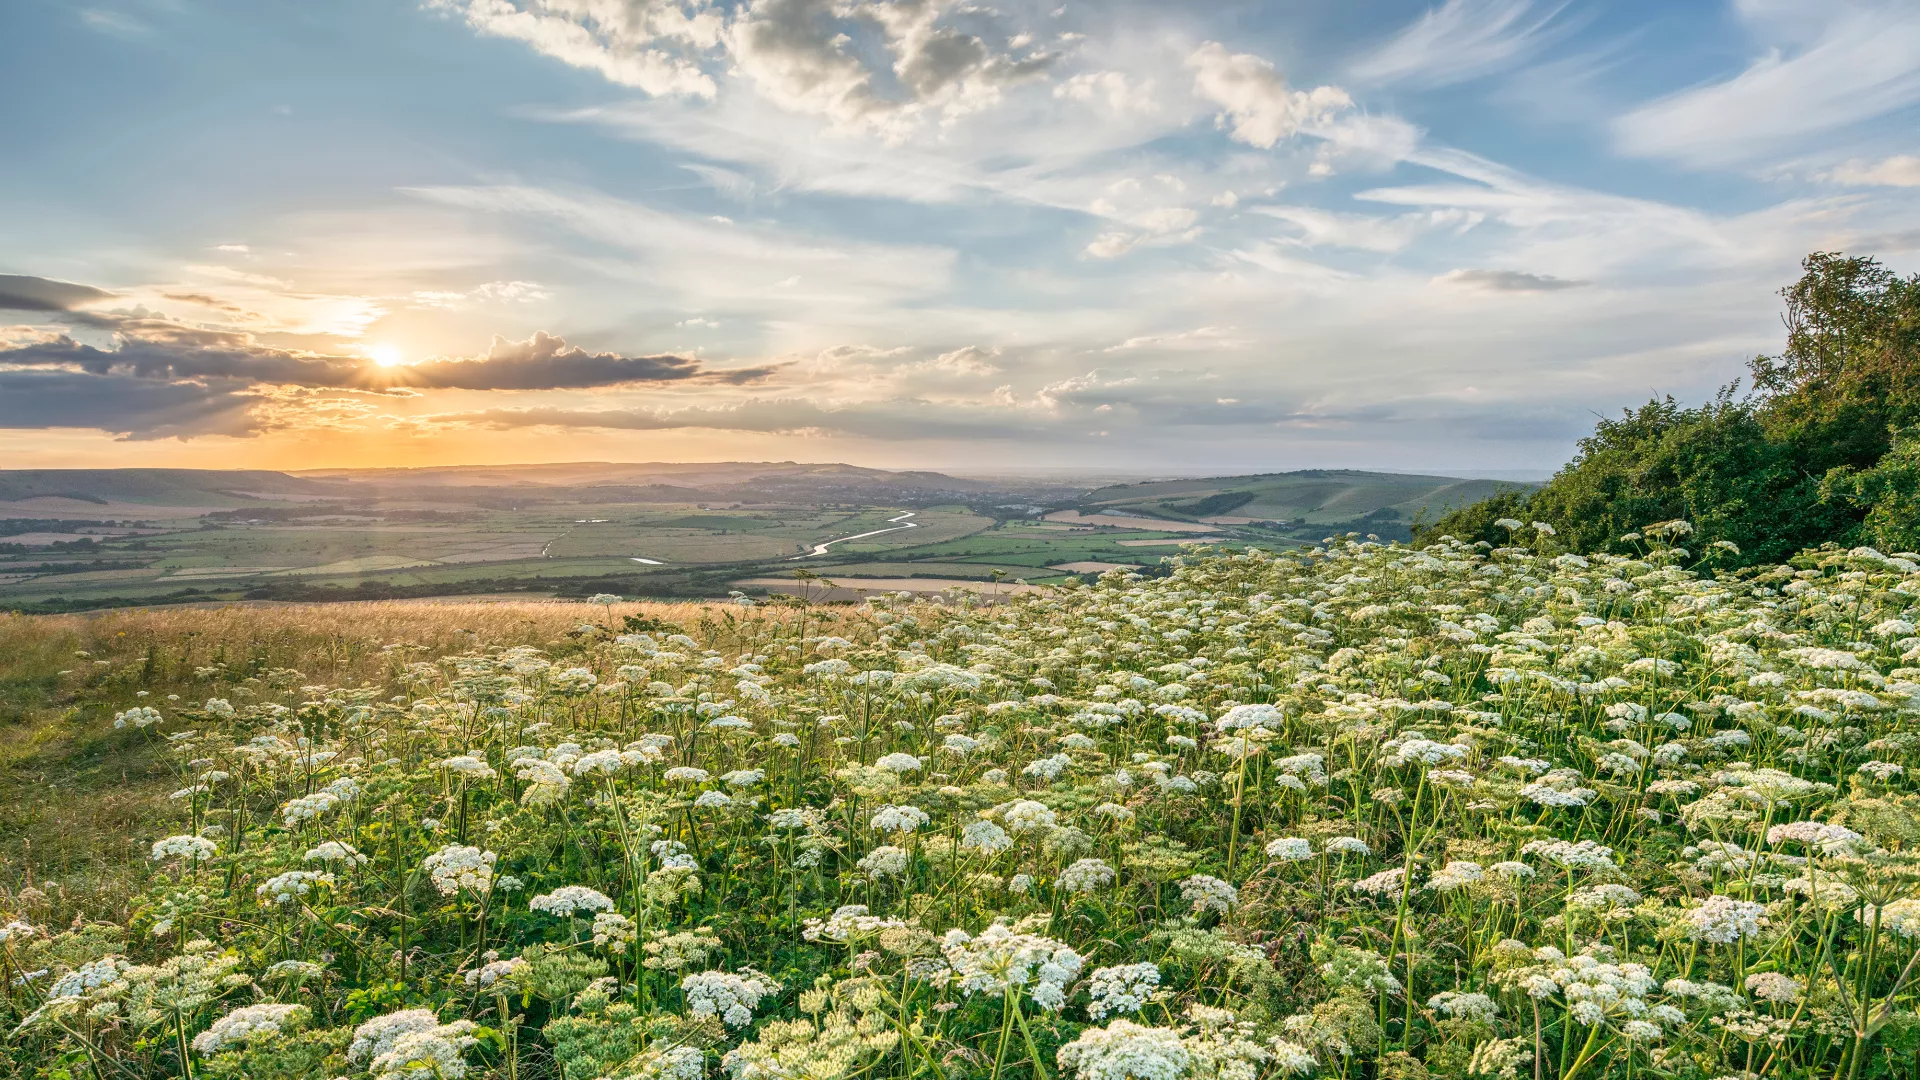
18, 292
545, 362
130, 408
1506, 281
148, 346
210, 355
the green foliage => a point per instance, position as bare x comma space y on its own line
1814, 455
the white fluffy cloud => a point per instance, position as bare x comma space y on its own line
1260, 108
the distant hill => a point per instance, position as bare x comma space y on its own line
157, 487
1307, 497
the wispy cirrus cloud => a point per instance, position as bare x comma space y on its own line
1826, 69
1462, 40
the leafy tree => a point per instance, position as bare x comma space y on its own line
1796, 463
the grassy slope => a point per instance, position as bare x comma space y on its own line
1315, 496
72, 788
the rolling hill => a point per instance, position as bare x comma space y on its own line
1310, 497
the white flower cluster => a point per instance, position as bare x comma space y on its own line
1205, 893
999, 960
412, 1045
1085, 876
570, 900
247, 1023
730, 996
291, 886
457, 866
1123, 988
1722, 920
900, 819
193, 848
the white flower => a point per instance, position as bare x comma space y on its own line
1027, 816
999, 960
731, 997
685, 774
569, 900
899, 763
1722, 920
468, 766
194, 848
335, 851
1085, 876
1125, 988
1124, 1050
1775, 987
1347, 845
291, 886
900, 819
713, 800
457, 866
1471, 1006
244, 1023
1290, 849
985, 837
412, 1045
1455, 875
884, 861
1207, 893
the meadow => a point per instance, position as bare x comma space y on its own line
1360, 811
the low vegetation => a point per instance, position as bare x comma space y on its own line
1356, 811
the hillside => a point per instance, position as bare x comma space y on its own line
1310, 497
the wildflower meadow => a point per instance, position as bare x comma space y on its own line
1357, 811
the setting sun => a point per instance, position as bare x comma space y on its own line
385, 355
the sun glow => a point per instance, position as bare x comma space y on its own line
386, 355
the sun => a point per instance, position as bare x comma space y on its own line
386, 355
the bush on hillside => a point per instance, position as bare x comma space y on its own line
1796, 462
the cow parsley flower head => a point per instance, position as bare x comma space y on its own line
569, 900
900, 819
1028, 816
1000, 959
899, 763
1209, 894
884, 862
730, 996
1085, 876
1290, 849
244, 1024
985, 837
1722, 920
1124, 1050
192, 848
291, 886
457, 866
1125, 988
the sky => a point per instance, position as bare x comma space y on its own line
1191, 237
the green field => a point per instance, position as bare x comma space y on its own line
101, 538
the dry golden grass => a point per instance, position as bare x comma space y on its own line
73, 789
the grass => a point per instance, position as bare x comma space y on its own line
72, 789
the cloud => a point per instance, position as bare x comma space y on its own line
1368, 232
1458, 41
493, 292
1864, 62
545, 362
1899, 171
1259, 106
643, 44
129, 408
1505, 281
22, 293
897, 420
